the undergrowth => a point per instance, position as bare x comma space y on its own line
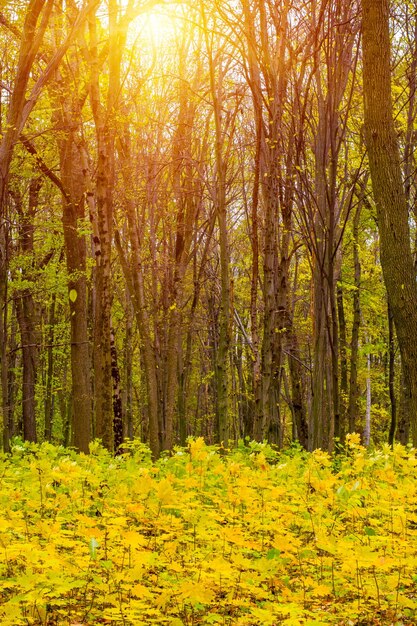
242, 537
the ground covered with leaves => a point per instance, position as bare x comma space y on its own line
206, 536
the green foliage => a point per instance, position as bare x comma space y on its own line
204, 537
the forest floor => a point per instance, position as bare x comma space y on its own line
247, 537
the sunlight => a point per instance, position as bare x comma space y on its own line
158, 28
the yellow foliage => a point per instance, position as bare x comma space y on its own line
165, 492
232, 538
195, 593
197, 449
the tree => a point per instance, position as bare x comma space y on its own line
390, 199
224, 159
22, 102
68, 121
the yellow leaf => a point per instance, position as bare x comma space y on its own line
322, 590
134, 539
196, 593
140, 591
165, 492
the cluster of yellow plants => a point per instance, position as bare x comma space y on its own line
207, 536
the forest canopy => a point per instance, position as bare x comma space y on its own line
207, 221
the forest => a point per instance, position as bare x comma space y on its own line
207, 222
208, 312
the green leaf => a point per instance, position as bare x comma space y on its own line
369, 531
73, 295
273, 553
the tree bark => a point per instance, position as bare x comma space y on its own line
354, 342
133, 273
26, 314
32, 34
222, 362
117, 397
49, 396
105, 125
67, 114
343, 359
367, 427
333, 65
384, 161
391, 378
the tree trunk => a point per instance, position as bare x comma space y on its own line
271, 178
331, 74
105, 126
4, 332
128, 371
67, 114
354, 342
36, 20
343, 359
391, 378
117, 397
20, 106
367, 428
49, 397
222, 362
26, 313
384, 161
403, 429
187, 192
26, 318
133, 273
298, 405
76, 259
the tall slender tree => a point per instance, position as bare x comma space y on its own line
390, 198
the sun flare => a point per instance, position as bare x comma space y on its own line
158, 28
